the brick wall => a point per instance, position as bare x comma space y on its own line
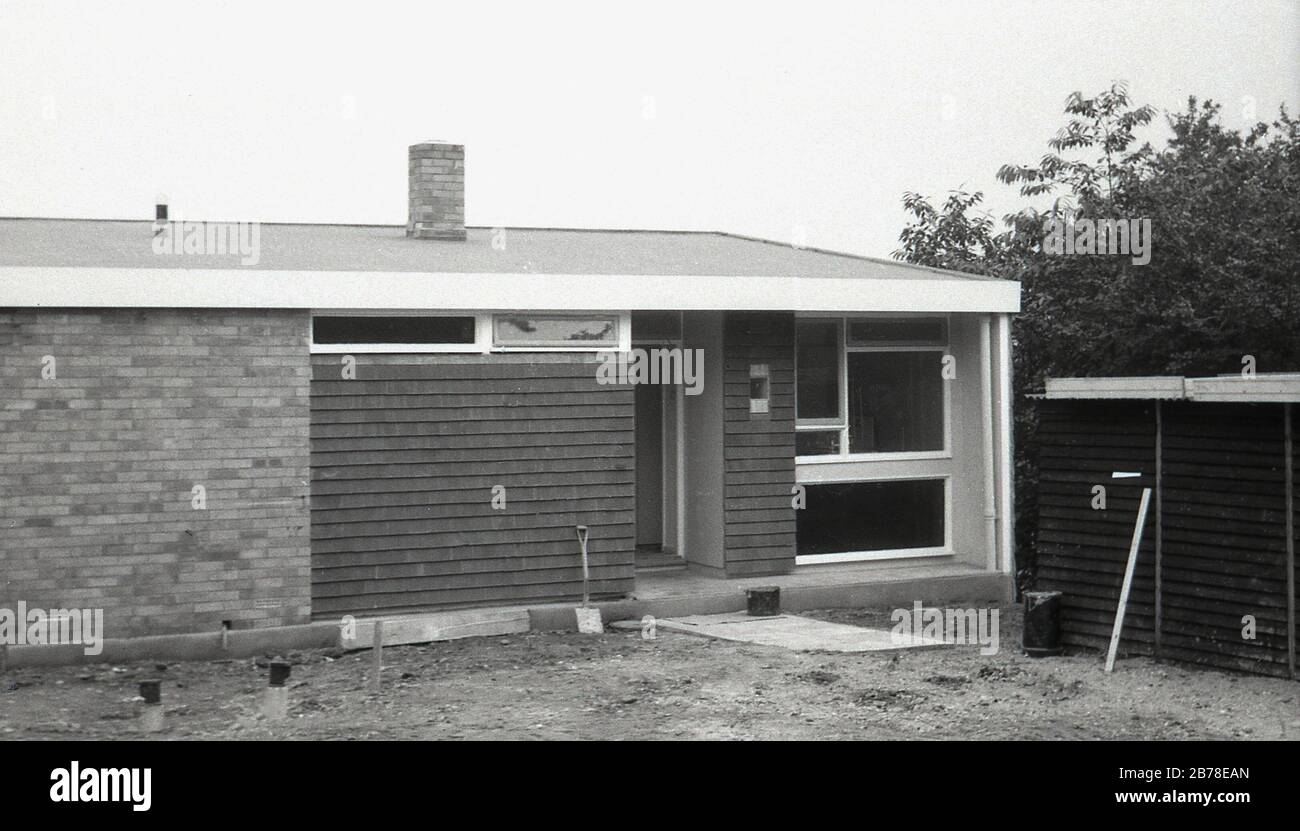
436, 191
98, 466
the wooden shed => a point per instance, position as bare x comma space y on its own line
1215, 579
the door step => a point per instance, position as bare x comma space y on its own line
649, 560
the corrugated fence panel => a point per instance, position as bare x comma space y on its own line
758, 449
404, 461
1224, 542
1082, 550
1222, 519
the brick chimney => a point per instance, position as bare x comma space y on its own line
436, 203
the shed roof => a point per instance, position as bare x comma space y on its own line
1235, 388
45, 262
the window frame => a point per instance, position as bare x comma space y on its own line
885, 554
484, 341
622, 331
842, 423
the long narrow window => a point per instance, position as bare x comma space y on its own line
529, 330
423, 331
479, 332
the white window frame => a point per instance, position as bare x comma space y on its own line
848, 468
624, 332
483, 336
893, 553
842, 423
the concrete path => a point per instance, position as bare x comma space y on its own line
803, 634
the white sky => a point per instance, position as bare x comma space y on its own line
757, 118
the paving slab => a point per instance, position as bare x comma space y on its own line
803, 634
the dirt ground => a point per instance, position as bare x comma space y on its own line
619, 686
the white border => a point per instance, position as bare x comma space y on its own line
234, 288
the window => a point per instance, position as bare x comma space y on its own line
895, 402
509, 330
405, 330
816, 442
870, 385
846, 519
817, 378
481, 332
891, 331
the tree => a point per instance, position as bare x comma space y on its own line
1223, 280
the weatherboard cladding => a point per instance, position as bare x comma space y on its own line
1083, 552
758, 449
404, 462
1222, 526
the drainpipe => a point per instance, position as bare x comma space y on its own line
986, 419
1006, 451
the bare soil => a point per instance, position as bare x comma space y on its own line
563, 685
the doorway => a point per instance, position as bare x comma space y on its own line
658, 476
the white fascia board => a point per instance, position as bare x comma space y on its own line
1259, 389
1156, 387
29, 287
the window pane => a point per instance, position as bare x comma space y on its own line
573, 330
871, 516
817, 382
429, 330
895, 401
898, 330
816, 442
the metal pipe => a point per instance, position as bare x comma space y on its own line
1006, 460
986, 418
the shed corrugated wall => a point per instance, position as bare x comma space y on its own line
1222, 527
1081, 551
1224, 535
404, 459
758, 449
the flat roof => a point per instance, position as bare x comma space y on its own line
1235, 388
49, 262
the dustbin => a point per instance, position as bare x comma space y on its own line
1041, 637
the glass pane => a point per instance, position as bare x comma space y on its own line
895, 402
817, 382
428, 330
903, 330
871, 516
816, 442
525, 330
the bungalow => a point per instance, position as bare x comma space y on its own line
373, 420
